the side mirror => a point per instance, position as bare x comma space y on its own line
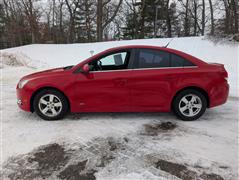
86, 68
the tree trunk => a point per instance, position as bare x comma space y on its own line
53, 21
53, 12
62, 39
212, 17
99, 20
87, 13
195, 17
169, 27
203, 17
227, 19
235, 12
142, 34
186, 20
72, 30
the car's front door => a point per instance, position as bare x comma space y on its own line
105, 87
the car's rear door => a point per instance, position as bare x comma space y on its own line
152, 80
105, 88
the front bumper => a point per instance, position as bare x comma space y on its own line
23, 99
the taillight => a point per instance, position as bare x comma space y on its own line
221, 70
224, 74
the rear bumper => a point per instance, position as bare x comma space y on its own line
23, 99
219, 94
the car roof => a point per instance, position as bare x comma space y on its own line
135, 47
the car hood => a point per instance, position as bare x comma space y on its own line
45, 73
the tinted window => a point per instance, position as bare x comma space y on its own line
177, 61
152, 59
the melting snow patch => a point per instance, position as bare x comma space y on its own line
155, 129
64, 161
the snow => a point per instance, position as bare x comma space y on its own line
210, 143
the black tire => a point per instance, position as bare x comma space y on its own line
178, 101
59, 97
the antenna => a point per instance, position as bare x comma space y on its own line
168, 43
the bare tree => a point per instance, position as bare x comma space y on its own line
14, 22
33, 16
104, 18
72, 9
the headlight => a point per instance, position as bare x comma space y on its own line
22, 83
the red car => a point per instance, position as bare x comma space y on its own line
127, 79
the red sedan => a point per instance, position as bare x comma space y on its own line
127, 79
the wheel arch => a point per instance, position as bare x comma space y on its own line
201, 90
43, 88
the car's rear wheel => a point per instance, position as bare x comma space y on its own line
189, 105
50, 104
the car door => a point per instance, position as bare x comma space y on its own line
152, 80
105, 87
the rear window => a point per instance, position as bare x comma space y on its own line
177, 61
148, 58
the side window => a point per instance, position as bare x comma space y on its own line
114, 61
177, 61
152, 59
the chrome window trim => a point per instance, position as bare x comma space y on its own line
145, 69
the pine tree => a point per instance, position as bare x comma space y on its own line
131, 30
85, 22
151, 19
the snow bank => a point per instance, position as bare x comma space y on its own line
19, 59
71, 54
10, 60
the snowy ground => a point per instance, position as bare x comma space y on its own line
114, 145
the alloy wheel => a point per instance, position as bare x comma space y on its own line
50, 105
190, 105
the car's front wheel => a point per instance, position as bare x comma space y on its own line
189, 105
50, 104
